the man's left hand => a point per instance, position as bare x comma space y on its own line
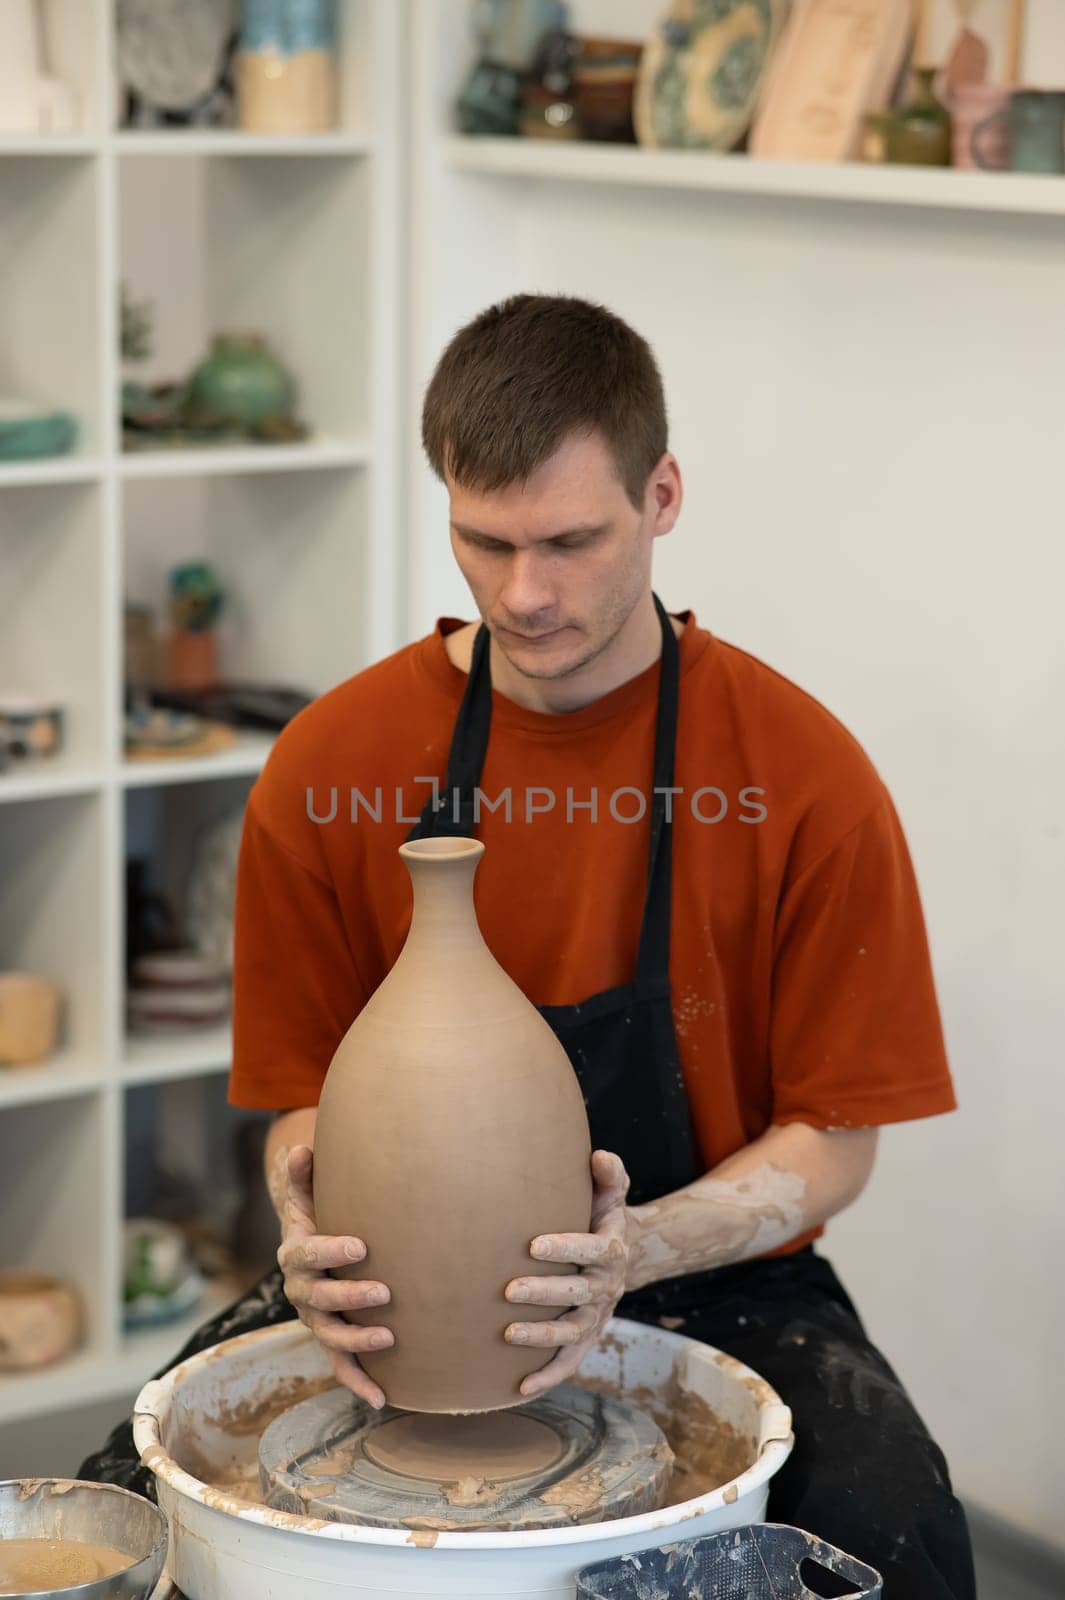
602, 1258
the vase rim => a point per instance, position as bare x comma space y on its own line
442, 849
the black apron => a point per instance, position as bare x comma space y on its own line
621, 1042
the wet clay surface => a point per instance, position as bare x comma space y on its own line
707, 1451
568, 1458
496, 1446
238, 1477
30, 1565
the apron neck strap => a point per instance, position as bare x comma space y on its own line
465, 765
652, 960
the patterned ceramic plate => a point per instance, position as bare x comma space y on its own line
702, 70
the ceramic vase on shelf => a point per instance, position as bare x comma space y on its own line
286, 69
238, 384
451, 1131
920, 134
195, 603
923, 126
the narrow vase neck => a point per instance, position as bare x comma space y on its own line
442, 873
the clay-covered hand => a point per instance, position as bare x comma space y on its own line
305, 1257
592, 1292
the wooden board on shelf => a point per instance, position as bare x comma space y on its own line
837, 60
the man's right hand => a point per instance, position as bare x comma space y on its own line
305, 1258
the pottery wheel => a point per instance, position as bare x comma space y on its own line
570, 1456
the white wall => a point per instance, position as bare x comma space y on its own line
868, 408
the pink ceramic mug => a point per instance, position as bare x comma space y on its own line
981, 126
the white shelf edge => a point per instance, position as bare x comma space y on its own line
78, 1380
64, 1077
317, 455
48, 144
163, 1058
52, 469
941, 188
40, 784
243, 759
222, 142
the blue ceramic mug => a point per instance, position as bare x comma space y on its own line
1037, 130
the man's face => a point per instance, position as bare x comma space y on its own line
557, 565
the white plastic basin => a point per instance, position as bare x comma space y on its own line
198, 1430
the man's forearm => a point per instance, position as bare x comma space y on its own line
286, 1131
791, 1179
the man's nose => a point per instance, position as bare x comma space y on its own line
526, 592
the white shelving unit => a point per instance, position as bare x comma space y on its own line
298, 238
939, 188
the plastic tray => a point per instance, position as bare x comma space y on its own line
766, 1561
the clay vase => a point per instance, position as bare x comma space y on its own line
451, 1131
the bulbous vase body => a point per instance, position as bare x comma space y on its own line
451, 1131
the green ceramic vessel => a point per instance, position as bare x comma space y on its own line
239, 383
920, 134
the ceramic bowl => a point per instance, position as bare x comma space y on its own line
26, 434
95, 1513
41, 1320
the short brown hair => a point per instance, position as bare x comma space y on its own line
515, 382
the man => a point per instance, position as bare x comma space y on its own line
671, 829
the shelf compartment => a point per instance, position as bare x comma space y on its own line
162, 1058
51, 645
52, 911
943, 189
279, 248
52, 1159
289, 550
190, 1154
50, 289
147, 1350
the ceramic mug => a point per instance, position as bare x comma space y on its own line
1037, 130
29, 1013
981, 127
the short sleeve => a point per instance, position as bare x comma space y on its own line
855, 1032
296, 989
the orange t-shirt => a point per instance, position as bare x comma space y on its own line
800, 974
